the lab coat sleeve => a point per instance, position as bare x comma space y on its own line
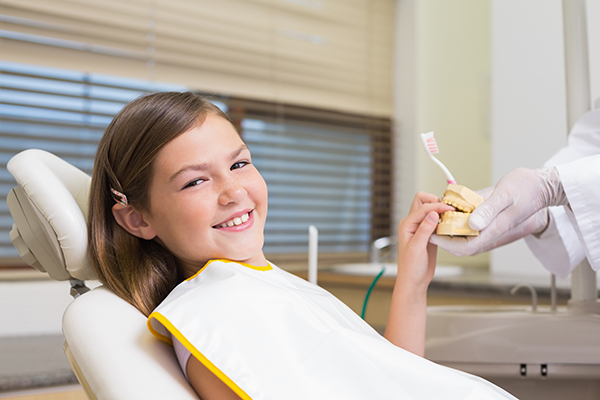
558, 248
581, 181
572, 233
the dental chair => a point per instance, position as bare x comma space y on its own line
106, 340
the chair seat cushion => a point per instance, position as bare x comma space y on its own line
118, 357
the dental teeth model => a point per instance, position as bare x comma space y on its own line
455, 223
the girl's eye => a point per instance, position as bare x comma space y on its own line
239, 164
195, 182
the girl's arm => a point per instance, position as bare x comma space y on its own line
206, 384
416, 265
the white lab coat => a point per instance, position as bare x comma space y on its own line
574, 231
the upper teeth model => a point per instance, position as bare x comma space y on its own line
235, 221
455, 223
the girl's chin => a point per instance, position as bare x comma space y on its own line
252, 255
257, 260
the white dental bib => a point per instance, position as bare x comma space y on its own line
271, 335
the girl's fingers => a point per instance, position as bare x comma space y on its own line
425, 229
411, 223
423, 198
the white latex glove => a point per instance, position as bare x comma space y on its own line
516, 208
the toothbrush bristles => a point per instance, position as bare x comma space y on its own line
432, 146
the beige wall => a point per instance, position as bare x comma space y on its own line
442, 74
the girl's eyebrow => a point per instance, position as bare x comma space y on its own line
204, 166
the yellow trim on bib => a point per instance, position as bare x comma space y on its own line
154, 332
199, 356
254, 267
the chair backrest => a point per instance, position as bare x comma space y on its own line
49, 207
106, 340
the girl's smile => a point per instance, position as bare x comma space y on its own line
240, 222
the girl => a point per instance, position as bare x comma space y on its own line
177, 213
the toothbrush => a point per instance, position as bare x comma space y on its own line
431, 148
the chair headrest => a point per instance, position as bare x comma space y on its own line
49, 207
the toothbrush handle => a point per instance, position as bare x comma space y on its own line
449, 177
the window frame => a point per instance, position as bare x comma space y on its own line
238, 108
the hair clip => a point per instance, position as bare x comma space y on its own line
123, 200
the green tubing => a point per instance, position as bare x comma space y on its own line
364, 309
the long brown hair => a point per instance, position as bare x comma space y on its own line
140, 271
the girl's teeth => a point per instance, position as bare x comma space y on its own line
236, 221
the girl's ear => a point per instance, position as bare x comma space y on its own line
133, 221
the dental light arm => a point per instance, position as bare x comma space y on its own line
517, 207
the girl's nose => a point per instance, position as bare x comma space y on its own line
231, 191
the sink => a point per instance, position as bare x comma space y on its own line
532, 354
391, 269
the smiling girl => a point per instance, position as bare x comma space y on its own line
177, 213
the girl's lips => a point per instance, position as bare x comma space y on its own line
236, 221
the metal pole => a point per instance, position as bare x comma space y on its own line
313, 253
576, 59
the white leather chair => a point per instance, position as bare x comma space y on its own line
106, 339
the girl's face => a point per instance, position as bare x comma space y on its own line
207, 200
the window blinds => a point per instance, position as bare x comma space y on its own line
331, 58
334, 54
61, 111
324, 168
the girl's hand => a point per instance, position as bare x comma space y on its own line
416, 256
416, 265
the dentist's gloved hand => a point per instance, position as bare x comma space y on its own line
516, 208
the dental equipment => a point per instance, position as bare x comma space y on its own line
453, 223
375, 256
